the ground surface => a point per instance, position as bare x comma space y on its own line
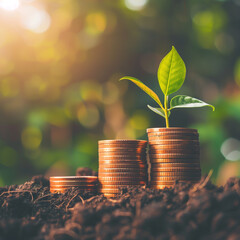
203, 211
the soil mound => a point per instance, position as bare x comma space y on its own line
202, 211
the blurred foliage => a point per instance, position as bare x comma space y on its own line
60, 62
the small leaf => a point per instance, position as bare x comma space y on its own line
146, 89
159, 111
171, 72
182, 101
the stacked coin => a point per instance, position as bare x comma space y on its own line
174, 154
122, 163
83, 183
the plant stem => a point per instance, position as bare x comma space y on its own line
166, 110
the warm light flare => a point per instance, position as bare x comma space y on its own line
9, 5
34, 19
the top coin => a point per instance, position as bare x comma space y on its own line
119, 141
172, 129
74, 178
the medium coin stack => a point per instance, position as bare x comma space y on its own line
174, 154
122, 163
83, 183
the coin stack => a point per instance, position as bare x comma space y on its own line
83, 183
174, 154
122, 163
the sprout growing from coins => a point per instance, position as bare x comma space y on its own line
171, 76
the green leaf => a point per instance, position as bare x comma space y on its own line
146, 89
171, 72
182, 101
159, 111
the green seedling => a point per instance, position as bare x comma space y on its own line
171, 76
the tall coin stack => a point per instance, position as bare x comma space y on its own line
174, 154
122, 163
83, 183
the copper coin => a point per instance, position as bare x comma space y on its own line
155, 179
172, 137
180, 144
174, 155
175, 142
173, 174
83, 189
121, 174
74, 178
169, 182
115, 151
123, 141
174, 151
174, 169
111, 168
74, 184
163, 160
81, 181
179, 165
174, 146
155, 173
123, 157
175, 134
119, 170
121, 154
172, 129
122, 165
122, 178
153, 148
122, 145
123, 161
154, 137
125, 182
107, 190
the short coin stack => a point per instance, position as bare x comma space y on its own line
83, 183
174, 154
122, 163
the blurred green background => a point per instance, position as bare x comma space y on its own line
60, 62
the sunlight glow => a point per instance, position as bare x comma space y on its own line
9, 5
135, 5
34, 19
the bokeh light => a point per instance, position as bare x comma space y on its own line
34, 19
31, 138
9, 5
135, 5
88, 115
231, 149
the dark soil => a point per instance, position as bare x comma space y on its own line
202, 211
